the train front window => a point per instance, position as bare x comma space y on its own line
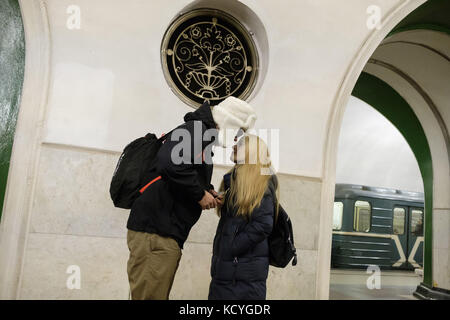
398, 222
417, 222
337, 215
362, 215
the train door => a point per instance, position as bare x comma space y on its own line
415, 237
400, 229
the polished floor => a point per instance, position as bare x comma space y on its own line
393, 285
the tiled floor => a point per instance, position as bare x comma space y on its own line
352, 285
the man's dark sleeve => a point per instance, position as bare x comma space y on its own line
182, 175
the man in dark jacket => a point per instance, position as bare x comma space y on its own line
163, 215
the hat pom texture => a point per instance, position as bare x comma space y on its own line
231, 115
234, 113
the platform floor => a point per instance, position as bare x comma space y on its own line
352, 285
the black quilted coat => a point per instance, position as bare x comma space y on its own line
240, 261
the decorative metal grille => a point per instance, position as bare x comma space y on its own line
208, 55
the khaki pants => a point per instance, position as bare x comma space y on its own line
152, 265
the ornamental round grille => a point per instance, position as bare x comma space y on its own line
209, 55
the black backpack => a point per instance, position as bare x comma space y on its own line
281, 240
133, 169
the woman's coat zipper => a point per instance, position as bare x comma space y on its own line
235, 261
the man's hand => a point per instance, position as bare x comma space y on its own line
208, 201
218, 197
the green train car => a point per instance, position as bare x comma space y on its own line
377, 226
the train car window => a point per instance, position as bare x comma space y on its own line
337, 215
398, 222
362, 216
417, 222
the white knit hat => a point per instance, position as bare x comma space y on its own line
231, 115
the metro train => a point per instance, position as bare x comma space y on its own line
377, 226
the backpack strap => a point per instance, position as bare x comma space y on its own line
164, 135
291, 235
272, 185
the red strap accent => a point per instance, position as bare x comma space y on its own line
162, 135
148, 184
201, 154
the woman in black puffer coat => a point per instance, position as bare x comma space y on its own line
240, 261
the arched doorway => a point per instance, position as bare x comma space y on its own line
392, 76
379, 210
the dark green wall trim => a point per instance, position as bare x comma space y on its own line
421, 26
431, 15
391, 105
12, 66
424, 292
424, 95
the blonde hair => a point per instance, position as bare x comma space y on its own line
249, 177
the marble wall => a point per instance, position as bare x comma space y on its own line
73, 222
441, 248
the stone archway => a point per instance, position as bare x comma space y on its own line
395, 62
29, 129
331, 144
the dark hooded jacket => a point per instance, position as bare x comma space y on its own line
169, 206
240, 261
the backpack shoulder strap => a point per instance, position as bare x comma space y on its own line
272, 185
165, 135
